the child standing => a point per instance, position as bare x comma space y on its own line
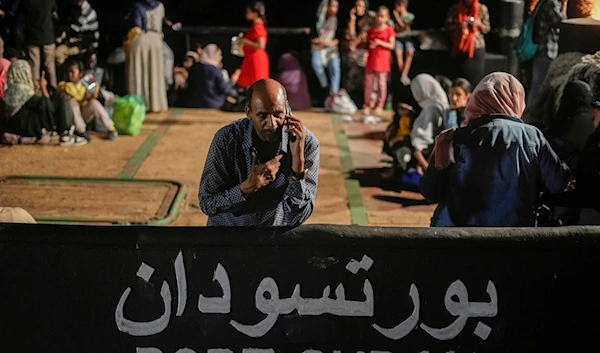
85, 104
382, 40
405, 49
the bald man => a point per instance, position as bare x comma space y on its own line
261, 170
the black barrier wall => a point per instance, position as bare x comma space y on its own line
312, 289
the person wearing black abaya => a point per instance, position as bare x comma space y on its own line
574, 125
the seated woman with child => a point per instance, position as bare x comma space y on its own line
29, 116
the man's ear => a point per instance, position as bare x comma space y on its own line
247, 110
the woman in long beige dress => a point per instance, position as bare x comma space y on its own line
145, 64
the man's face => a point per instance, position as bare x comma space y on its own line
78, 3
596, 116
267, 113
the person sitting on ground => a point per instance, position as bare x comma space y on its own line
85, 104
207, 87
397, 140
33, 118
488, 173
92, 68
405, 49
181, 73
294, 81
433, 100
459, 96
445, 82
79, 31
262, 170
4, 66
586, 193
106, 97
574, 125
569, 137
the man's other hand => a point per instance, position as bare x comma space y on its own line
261, 175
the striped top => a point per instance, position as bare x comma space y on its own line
84, 22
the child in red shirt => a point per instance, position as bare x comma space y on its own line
382, 40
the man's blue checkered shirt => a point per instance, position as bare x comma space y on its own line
284, 202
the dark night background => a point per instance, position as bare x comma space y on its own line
280, 13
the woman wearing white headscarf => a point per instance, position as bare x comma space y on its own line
207, 88
433, 100
486, 173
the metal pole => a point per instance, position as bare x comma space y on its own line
510, 29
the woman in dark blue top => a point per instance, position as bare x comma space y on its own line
489, 173
207, 87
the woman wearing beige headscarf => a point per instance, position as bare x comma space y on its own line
487, 172
15, 215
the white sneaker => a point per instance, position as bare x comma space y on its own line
79, 140
66, 140
372, 120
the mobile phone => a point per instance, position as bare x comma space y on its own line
288, 112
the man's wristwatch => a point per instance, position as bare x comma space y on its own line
300, 175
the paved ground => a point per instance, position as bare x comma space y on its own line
173, 145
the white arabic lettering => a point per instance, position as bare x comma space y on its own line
217, 305
268, 301
463, 309
181, 284
144, 328
273, 306
404, 328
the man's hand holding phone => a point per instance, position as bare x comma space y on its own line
295, 128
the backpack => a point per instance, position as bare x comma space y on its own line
525, 46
